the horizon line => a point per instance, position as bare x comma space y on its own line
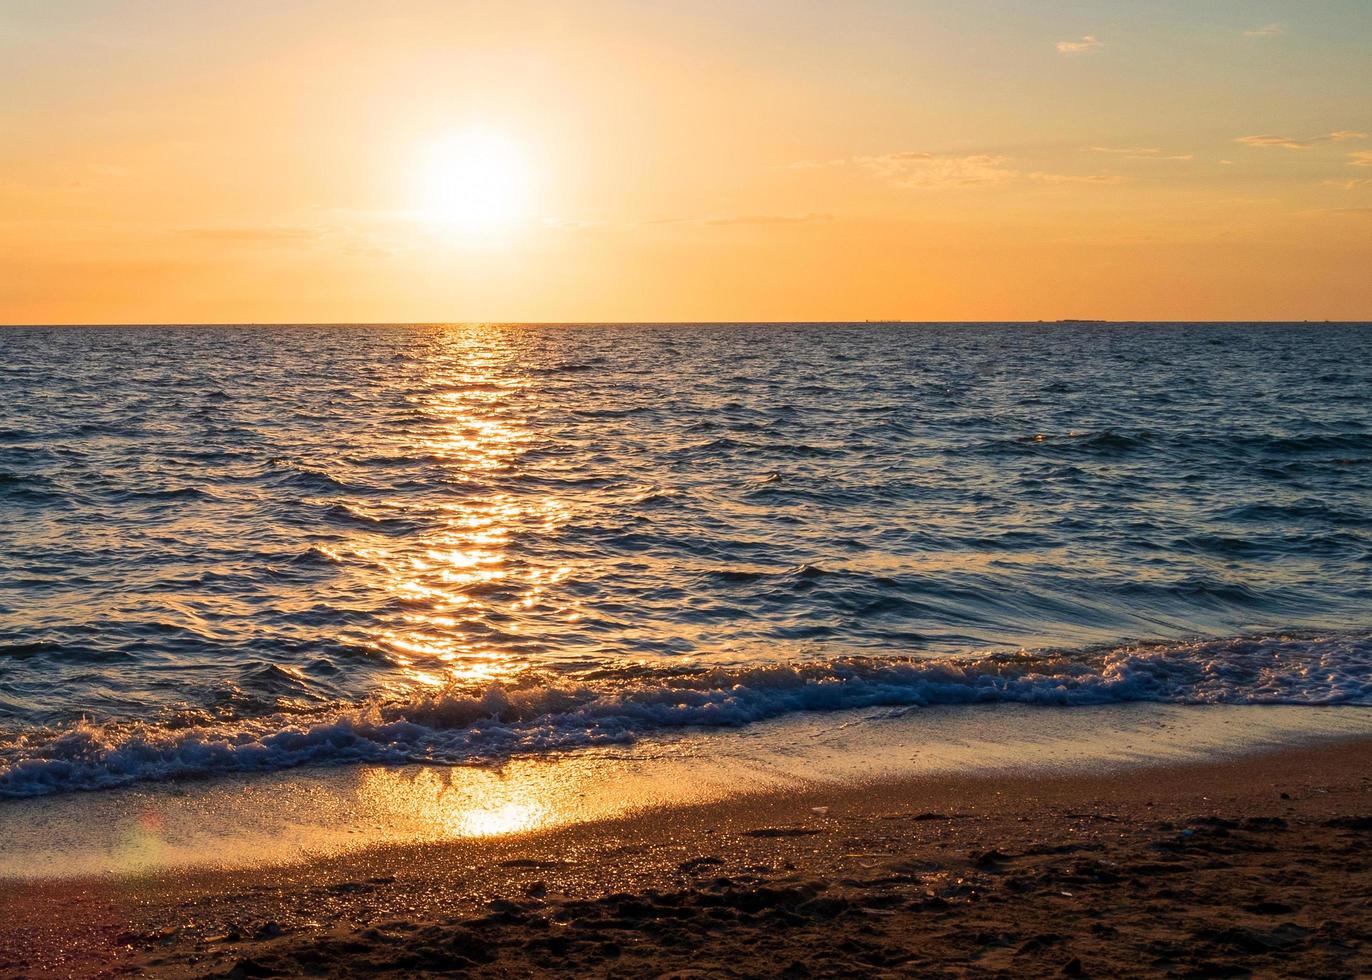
1061, 321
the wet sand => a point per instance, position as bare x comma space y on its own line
1255, 866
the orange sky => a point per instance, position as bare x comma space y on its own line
986, 159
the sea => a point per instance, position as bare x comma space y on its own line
230, 550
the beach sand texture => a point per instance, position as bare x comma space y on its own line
1254, 866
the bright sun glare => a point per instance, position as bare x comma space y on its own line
476, 184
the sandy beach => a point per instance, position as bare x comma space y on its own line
685, 490
1249, 866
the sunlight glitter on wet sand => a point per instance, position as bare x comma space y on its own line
304, 814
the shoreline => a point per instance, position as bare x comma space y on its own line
298, 815
1193, 868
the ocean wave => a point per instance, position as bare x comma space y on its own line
538, 714
31, 488
312, 479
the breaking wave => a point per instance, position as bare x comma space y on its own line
535, 714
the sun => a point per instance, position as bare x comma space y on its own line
475, 184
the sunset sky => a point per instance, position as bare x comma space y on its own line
307, 161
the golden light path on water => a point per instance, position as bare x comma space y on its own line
454, 579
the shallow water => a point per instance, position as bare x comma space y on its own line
288, 816
239, 549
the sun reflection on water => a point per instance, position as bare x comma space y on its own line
459, 803
490, 821
454, 592
461, 592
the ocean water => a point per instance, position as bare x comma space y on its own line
242, 549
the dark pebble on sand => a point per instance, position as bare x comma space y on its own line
1269, 908
780, 832
989, 859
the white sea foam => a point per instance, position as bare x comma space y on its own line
538, 715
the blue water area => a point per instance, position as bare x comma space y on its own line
244, 548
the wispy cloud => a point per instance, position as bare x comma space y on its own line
1042, 177
1267, 30
1358, 158
747, 219
247, 234
769, 219
1141, 153
1086, 45
934, 171
1291, 143
928, 170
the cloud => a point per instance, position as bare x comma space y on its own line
933, 171
769, 219
1289, 143
1041, 177
1085, 46
748, 219
1141, 153
1358, 158
927, 170
1267, 30
270, 233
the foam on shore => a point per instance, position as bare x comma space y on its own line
282, 817
539, 715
